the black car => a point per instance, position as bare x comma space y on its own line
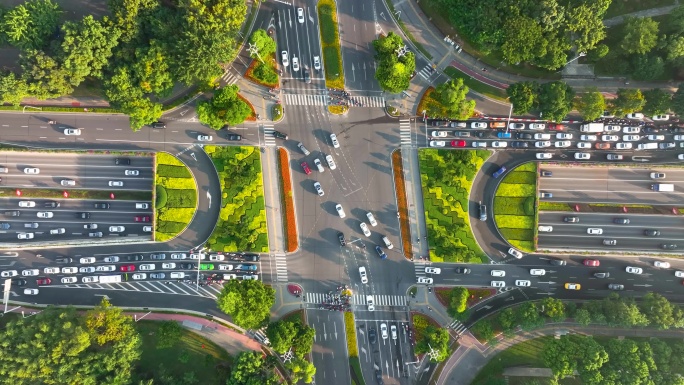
372, 336
524, 135
4, 226
64, 260
12, 213
19, 282
250, 257
102, 205
51, 204
378, 377
279, 135
547, 173
307, 75
122, 161
621, 221
234, 137
651, 130
83, 215
602, 275
519, 144
462, 270
187, 266
158, 125
158, 256
557, 262
136, 257
651, 233
340, 236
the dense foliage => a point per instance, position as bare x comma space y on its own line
137, 54
247, 302
288, 334
224, 108
436, 339
394, 70
176, 197
452, 97
250, 368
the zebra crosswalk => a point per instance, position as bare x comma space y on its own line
281, 267
187, 287
458, 327
405, 132
426, 72
229, 78
357, 299
322, 100
269, 139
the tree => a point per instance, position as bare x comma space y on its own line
151, 69
434, 339
394, 71
557, 47
483, 329
555, 100
628, 100
658, 310
657, 102
281, 334
528, 315
586, 23
301, 369
303, 341
507, 319
675, 49
573, 352
31, 25
458, 300
523, 96
12, 88
583, 317
523, 40
248, 369
452, 95
45, 78
224, 108
640, 35
647, 67
553, 308
626, 365
678, 100
599, 52
591, 104
126, 15
247, 302
265, 44
168, 334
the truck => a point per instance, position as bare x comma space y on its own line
665, 187
592, 127
110, 278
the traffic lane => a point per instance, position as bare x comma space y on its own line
81, 182
580, 231
357, 31
637, 180
639, 221
628, 243
635, 173
66, 159
589, 194
329, 348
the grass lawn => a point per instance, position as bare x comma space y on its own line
523, 354
192, 354
446, 179
553, 206
621, 7
176, 197
474, 85
514, 207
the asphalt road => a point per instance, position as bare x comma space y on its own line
358, 28
299, 39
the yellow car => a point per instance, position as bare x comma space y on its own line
572, 286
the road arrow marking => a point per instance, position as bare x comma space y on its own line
105, 296
644, 285
484, 308
510, 299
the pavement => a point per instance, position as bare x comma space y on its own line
645, 13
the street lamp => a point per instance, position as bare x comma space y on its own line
510, 111
35, 108
581, 54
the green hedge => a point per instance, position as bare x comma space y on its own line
350, 331
330, 42
517, 233
176, 197
515, 221
328, 25
162, 196
521, 177
182, 198
553, 206
76, 194
514, 206
169, 171
516, 190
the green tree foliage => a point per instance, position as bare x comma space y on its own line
437, 339
555, 100
127, 15
647, 67
125, 95
585, 21
553, 308
556, 49
58, 346
301, 370
247, 302
483, 329
87, 47
657, 102
583, 317
458, 300
393, 72
658, 310
591, 104
452, 95
640, 35
151, 69
224, 108
528, 315
44, 76
30, 26
507, 319
249, 369
573, 352
523, 96
678, 100
12, 88
286, 334
168, 334
600, 51
523, 39
264, 43
628, 100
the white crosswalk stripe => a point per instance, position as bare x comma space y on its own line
305, 100
405, 132
458, 327
269, 139
229, 78
426, 72
358, 299
281, 267
369, 101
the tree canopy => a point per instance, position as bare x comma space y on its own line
286, 334
247, 302
452, 96
224, 108
640, 35
265, 44
394, 70
555, 100
591, 104
523, 96
249, 368
657, 102
628, 100
437, 339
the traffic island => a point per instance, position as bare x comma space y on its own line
402, 204
352, 349
330, 41
175, 197
277, 112
265, 74
338, 110
514, 209
287, 201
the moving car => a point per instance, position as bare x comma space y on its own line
27, 204
72, 132
331, 162
319, 165
498, 284
544, 155
45, 214
479, 144
69, 280
30, 272
594, 231
634, 270
478, 125
522, 283
285, 60
545, 229
340, 237
43, 281
425, 280
362, 273
437, 143
280, 135
651, 233
571, 219
657, 175
131, 172
340, 211
499, 144
582, 155
610, 242
393, 331
515, 253
116, 229
661, 264
616, 286
458, 143
621, 221
498, 273
537, 126
615, 156
147, 266
542, 136
635, 115
25, 236
300, 15
383, 331
317, 62
573, 286
381, 253
462, 270
305, 167
516, 126
371, 219
537, 272
60, 230
589, 138
623, 146
370, 303
333, 139
440, 134
51, 204
433, 270
563, 136
602, 275
204, 138
295, 63
112, 259
122, 161
498, 172
372, 336
115, 183
610, 138
101, 205
32, 171
591, 262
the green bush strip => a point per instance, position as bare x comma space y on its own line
446, 179
514, 207
176, 197
330, 41
242, 221
350, 331
475, 85
554, 206
90, 110
76, 194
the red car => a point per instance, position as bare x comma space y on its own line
145, 218
603, 146
458, 143
556, 127
306, 168
591, 262
43, 281
128, 268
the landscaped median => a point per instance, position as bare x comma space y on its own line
514, 207
287, 201
330, 40
352, 349
446, 179
176, 197
241, 224
398, 171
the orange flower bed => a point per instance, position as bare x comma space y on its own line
287, 202
402, 204
424, 100
249, 74
252, 116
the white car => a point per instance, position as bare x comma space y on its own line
661, 264
437, 143
86, 269
562, 144
147, 229
425, 280
433, 270
179, 256
635, 115
69, 270
30, 272
545, 229
87, 260
589, 138
631, 138
295, 63
499, 144
479, 144
32, 170
656, 137
679, 274
69, 280
582, 155
583, 145
333, 139
116, 229
317, 63
225, 267
131, 172
171, 265
340, 211
229, 276
393, 331
60, 230
250, 277
204, 138
544, 155
147, 266
563, 136
9, 273
27, 204
440, 134
217, 257
515, 253
45, 214
657, 175
25, 236
371, 303
634, 270
90, 226
51, 270
498, 284
537, 272
283, 56
331, 162
139, 276
661, 117
631, 130
542, 136
543, 144
383, 331
537, 126
90, 279
498, 273
319, 189
522, 283
362, 273
72, 131
30, 291
478, 125
115, 183
364, 228
371, 219
594, 231
623, 146
319, 165
612, 128
610, 138
516, 126
300, 15
105, 268
112, 259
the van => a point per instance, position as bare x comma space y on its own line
177, 275
142, 206
647, 146
387, 242
497, 124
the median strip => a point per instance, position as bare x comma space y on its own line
289, 218
330, 41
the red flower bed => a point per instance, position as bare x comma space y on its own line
291, 239
402, 204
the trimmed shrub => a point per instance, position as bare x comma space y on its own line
350, 329
182, 198
176, 197
168, 171
514, 221
516, 190
161, 197
177, 183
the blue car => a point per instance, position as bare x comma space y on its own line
503, 135
380, 252
499, 172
